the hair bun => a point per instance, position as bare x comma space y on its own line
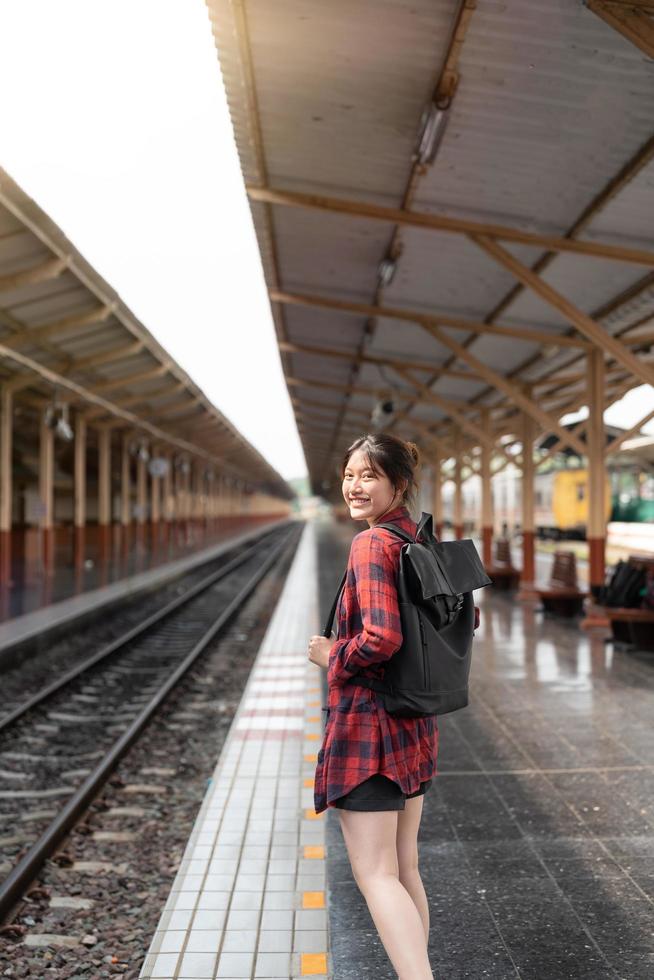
414, 452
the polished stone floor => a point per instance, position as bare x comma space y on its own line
537, 840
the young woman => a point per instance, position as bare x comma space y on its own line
373, 767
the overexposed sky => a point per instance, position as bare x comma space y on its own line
113, 118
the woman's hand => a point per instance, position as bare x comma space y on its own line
319, 647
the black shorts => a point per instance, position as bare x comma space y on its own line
378, 793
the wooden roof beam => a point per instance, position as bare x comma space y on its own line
106, 357
432, 319
35, 335
434, 222
580, 320
131, 379
508, 388
93, 398
50, 269
451, 409
143, 399
375, 359
633, 20
624, 436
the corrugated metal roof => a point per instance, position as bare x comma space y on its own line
551, 107
61, 320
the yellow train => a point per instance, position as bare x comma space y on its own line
561, 503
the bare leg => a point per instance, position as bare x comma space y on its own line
408, 824
370, 839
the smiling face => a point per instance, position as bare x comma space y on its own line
368, 493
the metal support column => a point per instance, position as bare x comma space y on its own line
528, 572
6, 487
486, 492
168, 497
437, 490
46, 500
79, 498
46, 475
141, 490
596, 533
104, 497
457, 518
155, 497
125, 484
104, 477
80, 471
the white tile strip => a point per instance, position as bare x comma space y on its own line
249, 896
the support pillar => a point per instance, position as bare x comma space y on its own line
79, 503
437, 490
104, 477
528, 572
156, 483
222, 501
168, 498
180, 503
125, 500
188, 492
486, 493
141, 490
141, 508
457, 518
46, 497
125, 485
104, 497
185, 494
6, 481
155, 499
198, 486
596, 532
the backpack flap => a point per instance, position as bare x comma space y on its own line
442, 568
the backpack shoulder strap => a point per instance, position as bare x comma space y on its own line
425, 526
332, 612
398, 531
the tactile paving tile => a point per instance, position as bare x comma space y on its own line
249, 898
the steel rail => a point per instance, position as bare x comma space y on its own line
22, 875
106, 651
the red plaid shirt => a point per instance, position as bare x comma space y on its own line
360, 738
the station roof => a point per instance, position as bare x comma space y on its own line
453, 204
64, 329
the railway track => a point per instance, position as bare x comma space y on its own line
59, 746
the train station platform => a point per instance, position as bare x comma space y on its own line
537, 840
44, 595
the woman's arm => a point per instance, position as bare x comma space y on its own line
375, 577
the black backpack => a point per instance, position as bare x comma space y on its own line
428, 675
625, 588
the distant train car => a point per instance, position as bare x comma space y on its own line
561, 503
633, 495
561, 494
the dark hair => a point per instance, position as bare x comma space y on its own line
394, 457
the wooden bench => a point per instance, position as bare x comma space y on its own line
634, 626
502, 571
563, 595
